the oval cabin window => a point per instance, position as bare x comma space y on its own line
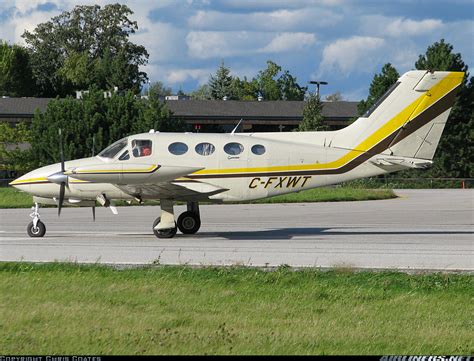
178, 148
233, 148
204, 149
258, 149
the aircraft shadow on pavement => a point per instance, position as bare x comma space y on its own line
288, 233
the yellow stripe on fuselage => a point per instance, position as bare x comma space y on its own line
29, 180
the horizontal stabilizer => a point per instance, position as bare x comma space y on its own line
387, 161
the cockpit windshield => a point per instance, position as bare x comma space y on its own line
112, 150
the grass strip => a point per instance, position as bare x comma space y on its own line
78, 309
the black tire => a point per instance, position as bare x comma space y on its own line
164, 233
189, 222
38, 232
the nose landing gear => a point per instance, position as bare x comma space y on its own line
36, 228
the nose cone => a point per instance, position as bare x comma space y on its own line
36, 182
25, 182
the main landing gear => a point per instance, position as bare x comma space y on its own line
36, 228
188, 222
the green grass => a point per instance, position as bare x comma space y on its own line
12, 198
73, 309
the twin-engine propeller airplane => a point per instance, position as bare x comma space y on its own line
401, 131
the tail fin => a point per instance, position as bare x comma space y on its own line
409, 120
420, 139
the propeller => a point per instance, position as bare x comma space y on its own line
59, 177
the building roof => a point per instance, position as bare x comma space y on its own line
255, 109
210, 109
22, 107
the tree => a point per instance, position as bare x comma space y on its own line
105, 119
244, 89
16, 77
86, 46
157, 116
312, 115
380, 84
201, 93
159, 90
268, 86
273, 87
14, 156
455, 152
220, 83
439, 56
289, 88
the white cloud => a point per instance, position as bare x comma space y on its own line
289, 42
403, 27
279, 4
209, 44
220, 44
357, 53
399, 27
278, 20
178, 76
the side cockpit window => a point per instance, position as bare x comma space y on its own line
141, 147
125, 156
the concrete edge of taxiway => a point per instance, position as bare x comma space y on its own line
342, 268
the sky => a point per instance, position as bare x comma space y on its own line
342, 42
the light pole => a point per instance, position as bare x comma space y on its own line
318, 83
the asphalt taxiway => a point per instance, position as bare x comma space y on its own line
420, 230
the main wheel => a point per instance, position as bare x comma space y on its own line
39, 231
189, 222
163, 233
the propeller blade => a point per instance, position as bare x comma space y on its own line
62, 190
61, 151
93, 213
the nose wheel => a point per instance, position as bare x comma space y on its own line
36, 228
38, 231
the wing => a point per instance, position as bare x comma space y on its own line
148, 181
185, 190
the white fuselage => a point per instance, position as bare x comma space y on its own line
284, 167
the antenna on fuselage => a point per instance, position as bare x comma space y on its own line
233, 130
